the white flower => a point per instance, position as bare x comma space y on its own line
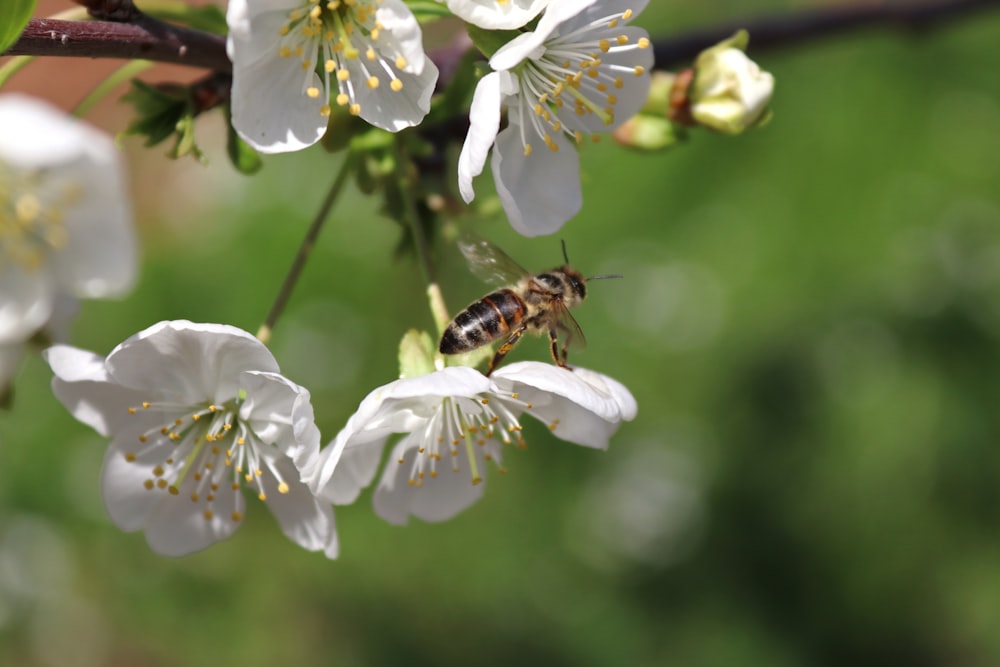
581, 71
65, 224
454, 421
730, 92
290, 57
496, 14
64, 309
196, 413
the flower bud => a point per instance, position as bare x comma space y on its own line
730, 92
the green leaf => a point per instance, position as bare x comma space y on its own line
428, 10
489, 41
209, 18
161, 112
245, 159
14, 15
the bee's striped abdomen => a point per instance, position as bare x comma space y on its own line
483, 322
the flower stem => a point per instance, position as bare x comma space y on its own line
434, 296
305, 250
119, 76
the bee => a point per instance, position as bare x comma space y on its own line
538, 303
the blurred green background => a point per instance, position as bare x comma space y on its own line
809, 322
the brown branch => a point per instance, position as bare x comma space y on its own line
144, 37
792, 28
141, 36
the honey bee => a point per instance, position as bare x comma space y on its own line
538, 303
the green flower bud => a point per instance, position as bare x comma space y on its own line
730, 92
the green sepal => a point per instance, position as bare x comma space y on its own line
489, 41
416, 354
245, 159
14, 16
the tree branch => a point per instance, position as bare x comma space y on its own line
144, 37
791, 28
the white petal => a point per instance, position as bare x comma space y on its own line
271, 111
303, 519
37, 135
631, 96
401, 30
128, 502
353, 470
580, 406
275, 409
396, 110
187, 360
539, 192
26, 302
348, 464
497, 15
484, 123
178, 527
82, 384
523, 46
438, 499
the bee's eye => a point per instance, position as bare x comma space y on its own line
578, 287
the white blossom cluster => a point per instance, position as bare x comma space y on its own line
199, 415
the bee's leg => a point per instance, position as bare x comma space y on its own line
554, 348
565, 346
507, 346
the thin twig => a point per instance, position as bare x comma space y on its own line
305, 250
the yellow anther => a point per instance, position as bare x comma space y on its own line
262, 496
354, 109
373, 82
312, 91
325, 110
396, 85
194, 496
639, 70
130, 456
605, 45
146, 405
208, 515
343, 74
161, 483
237, 517
283, 488
644, 42
240, 441
131, 411
400, 62
173, 490
411, 482
527, 150
148, 484
343, 99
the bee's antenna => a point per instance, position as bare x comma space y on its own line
605, 276
565, 256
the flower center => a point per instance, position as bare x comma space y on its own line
342, 42
207, 451
462, 424
571, 76
31, 221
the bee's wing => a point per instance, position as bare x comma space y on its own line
569, 326
489, 263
